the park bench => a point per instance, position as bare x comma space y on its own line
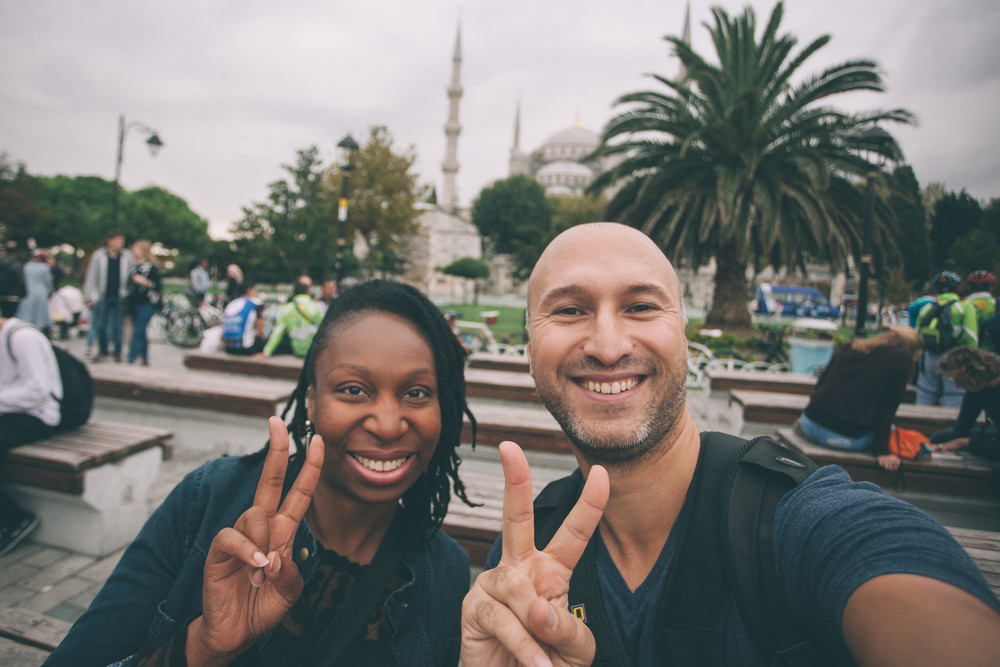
530, 426
89, 486
281, 367
722, 380
216, 392
479, 382
499, 362
759, 412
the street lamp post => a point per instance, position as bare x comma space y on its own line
876, 139
348, 159
154, 143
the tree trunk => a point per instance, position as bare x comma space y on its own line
729, 310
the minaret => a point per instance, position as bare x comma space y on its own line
452, 129
686, 38
518, 158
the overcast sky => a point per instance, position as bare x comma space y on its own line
234, 88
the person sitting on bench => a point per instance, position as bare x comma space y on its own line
857, 395
30, 388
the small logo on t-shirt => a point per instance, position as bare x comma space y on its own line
579, 612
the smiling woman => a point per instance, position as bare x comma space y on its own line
330, 555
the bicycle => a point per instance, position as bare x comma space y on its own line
185, 326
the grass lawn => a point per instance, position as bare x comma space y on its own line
510, 321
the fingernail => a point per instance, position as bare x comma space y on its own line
257, 578
541, 661
259, 559
551, 620
275, 562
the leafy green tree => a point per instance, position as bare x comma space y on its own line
736, 162
978, 249
294, 231
569, 210
955, 215
469, 268
21, 217
515, 218
383, 195
911, 218
163, 217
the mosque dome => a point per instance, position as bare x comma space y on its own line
564, 177
573, 143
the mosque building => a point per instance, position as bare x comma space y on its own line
558, 164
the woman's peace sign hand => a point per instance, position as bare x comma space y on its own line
250, 580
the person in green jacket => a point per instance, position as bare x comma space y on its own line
961, 328
297, 323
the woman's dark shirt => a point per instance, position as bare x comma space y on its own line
860, 392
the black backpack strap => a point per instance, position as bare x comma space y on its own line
695, 606
768, 471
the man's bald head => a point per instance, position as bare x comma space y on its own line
602, 245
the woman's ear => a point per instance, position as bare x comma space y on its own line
309, 405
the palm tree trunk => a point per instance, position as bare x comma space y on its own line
729, 309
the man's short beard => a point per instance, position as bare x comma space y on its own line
627, 449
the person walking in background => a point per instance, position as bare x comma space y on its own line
34, 307
234, 282
30, 389
944, 323
145, 294
297, 323
104, 289
200, 283
11, 278
857, 395
328, 292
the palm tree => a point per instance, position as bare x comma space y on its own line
735, 161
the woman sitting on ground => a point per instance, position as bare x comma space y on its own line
331, 556
978, 372
857, 395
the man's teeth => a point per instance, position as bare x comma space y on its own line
616, 387
377, 465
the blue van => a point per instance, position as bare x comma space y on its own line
793, 301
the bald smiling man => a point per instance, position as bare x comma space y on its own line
873, 580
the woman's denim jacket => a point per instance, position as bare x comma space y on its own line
157, 584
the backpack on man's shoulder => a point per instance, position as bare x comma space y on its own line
77, 400
936, 331
727, 549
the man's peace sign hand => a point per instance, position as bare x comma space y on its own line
517, 612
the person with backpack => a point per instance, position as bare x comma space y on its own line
981, 284
945, 323
30, 389
243, 324
639, 557
297, 323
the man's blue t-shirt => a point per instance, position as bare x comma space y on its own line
830, 536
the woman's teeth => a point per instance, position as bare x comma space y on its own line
616, 387
377, 465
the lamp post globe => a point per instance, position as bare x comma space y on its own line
153, 143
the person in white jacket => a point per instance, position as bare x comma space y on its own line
104, 288
30, 389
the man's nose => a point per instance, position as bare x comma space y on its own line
609, 339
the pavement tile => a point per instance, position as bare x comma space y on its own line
102, 569
59, 570
66, 612
54, 595
13, 573
11, 596
45, 556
